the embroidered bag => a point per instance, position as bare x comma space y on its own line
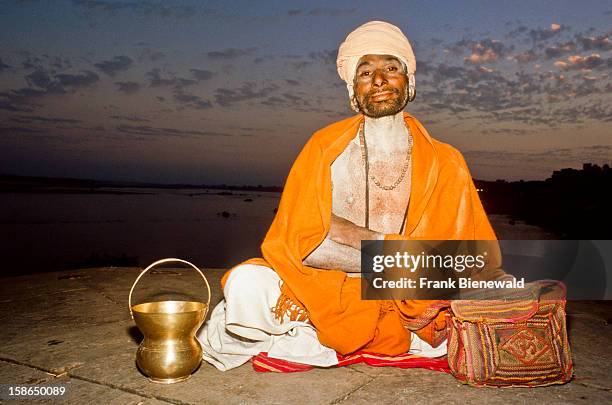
517, 342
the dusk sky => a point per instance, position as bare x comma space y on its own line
229, 91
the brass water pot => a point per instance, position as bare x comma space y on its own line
169, 352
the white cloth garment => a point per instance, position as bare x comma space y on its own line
242, 326
421, 348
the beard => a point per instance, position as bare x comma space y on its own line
382, 108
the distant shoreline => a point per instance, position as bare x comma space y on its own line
573, 204
60, 185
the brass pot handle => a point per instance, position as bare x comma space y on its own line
162, 261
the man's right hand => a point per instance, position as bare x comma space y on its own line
347, 233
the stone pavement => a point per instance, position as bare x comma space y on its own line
74, 328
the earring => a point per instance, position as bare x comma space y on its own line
353, 103
352, 98
411, 88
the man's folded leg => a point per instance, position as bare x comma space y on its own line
243, 325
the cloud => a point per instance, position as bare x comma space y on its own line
20, 130
486, 51
128, 118
200, 75
117, 64
575, 62
561, 156
191, 100
506, 131
274, 101
43, 80
527, 97
538, 35
532, 98
424, 68
327, 56
156, 80
594, 111
149, 54
302, 102
322, 12
559, 49
44, 62
42, 84
36, 134
444, 72
21, 100
128, 87
458, 48
141, 7
517, 32
526, 57
49, 123
294, 98
227, 97
587, 88
332, 12
601, 43
488, 56
230, 53
161, 132
298, 62
32, 62
58, 83
30, 119
448, 106
299, 65
3, 66
59, 63
85, 79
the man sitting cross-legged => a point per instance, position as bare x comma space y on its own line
377, 175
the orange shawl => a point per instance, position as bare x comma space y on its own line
443, 205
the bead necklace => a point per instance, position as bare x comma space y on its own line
364, 158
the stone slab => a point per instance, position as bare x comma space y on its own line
428, 387
78, 391
240, 385
75, 326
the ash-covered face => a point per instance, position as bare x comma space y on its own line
380, 85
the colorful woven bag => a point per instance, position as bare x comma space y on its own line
512, 342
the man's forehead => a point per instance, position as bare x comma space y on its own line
372, 58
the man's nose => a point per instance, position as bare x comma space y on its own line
379, 78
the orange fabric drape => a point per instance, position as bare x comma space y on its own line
443, 205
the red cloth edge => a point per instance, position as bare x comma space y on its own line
264, 364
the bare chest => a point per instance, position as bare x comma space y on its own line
387, 208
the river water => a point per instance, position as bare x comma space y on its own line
130, 227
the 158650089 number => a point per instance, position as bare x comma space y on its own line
14, 391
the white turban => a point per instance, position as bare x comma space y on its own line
373, 38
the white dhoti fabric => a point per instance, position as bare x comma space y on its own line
243, 325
